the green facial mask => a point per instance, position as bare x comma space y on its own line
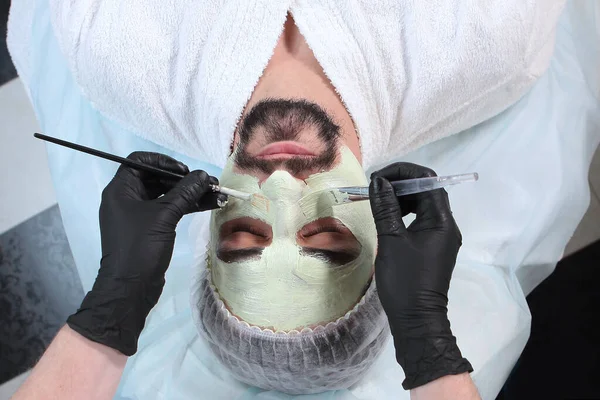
284, 288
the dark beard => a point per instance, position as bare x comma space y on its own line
286, 120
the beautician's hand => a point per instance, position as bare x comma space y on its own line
413, 269
138, 235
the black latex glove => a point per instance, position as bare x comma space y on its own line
138, 235
413, 268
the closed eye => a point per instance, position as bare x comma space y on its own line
246, 227
330, 240
243, 238
316, 229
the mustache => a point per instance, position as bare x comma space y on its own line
294, 165
283, 120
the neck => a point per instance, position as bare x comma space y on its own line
293, 72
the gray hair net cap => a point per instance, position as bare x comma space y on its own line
325, 358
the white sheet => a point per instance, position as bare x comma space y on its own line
532, 159
179, 72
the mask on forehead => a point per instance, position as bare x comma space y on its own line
286, 288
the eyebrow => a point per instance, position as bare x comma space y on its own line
331, 256
239, 254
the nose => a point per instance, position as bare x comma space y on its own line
282, 186
299, 176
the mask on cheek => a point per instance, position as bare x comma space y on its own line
285, 288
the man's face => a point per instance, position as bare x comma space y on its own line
300, 138
291, 259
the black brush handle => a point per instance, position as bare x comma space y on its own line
108, 156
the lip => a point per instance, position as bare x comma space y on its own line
286, 148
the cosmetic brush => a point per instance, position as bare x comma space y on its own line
144, 167
344, 195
